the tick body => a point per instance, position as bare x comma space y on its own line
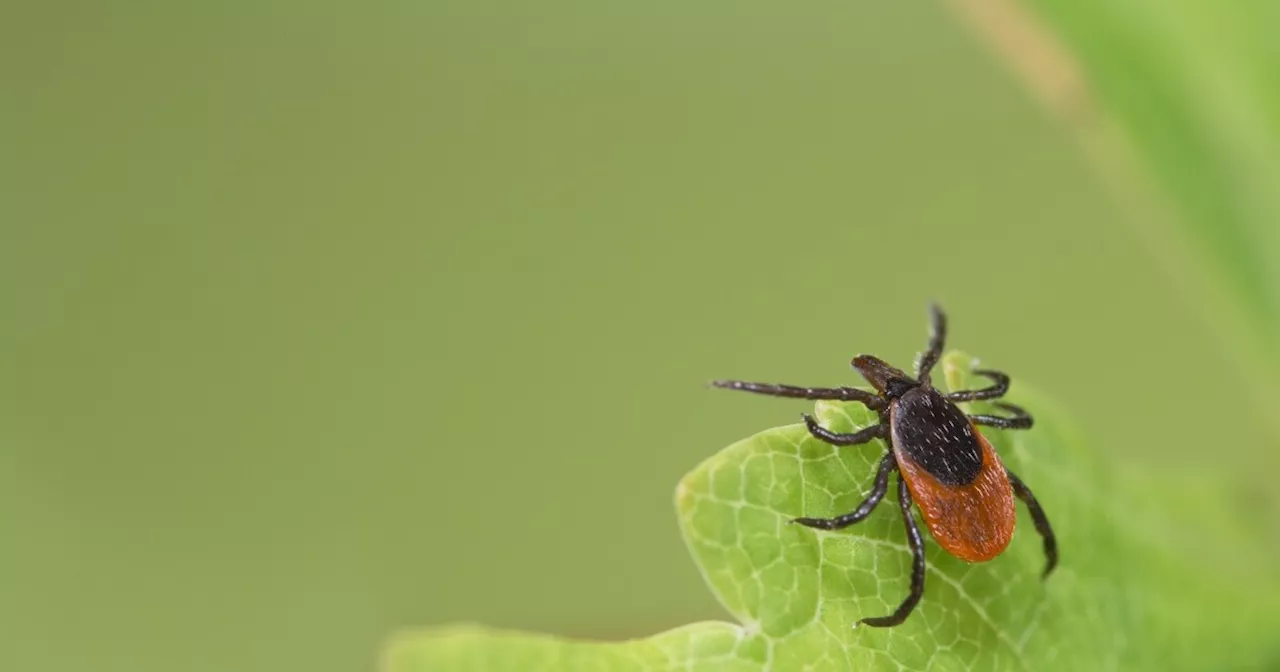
945, 466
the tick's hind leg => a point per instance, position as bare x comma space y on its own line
917, 564
1042, 521
1019, 419
996, 391
821, 433
887, 465
868, 399
937, 339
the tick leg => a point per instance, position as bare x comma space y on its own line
994, 392
937, 339
869, 399
860, 436
1019, 420
887, 465
917, 564
1042, 521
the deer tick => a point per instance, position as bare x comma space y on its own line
945, 466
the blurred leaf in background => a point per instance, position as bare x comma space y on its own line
1130, 594
1181, 96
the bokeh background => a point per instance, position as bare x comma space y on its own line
329, 319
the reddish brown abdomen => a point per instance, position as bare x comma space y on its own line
973, 522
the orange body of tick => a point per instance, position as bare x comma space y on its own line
945, 466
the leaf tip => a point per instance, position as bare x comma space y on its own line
684, 495
403, 649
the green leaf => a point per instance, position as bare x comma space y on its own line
1147, 580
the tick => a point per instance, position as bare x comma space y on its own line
945, 466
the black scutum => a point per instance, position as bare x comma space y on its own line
935, 434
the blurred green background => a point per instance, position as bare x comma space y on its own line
331, 319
